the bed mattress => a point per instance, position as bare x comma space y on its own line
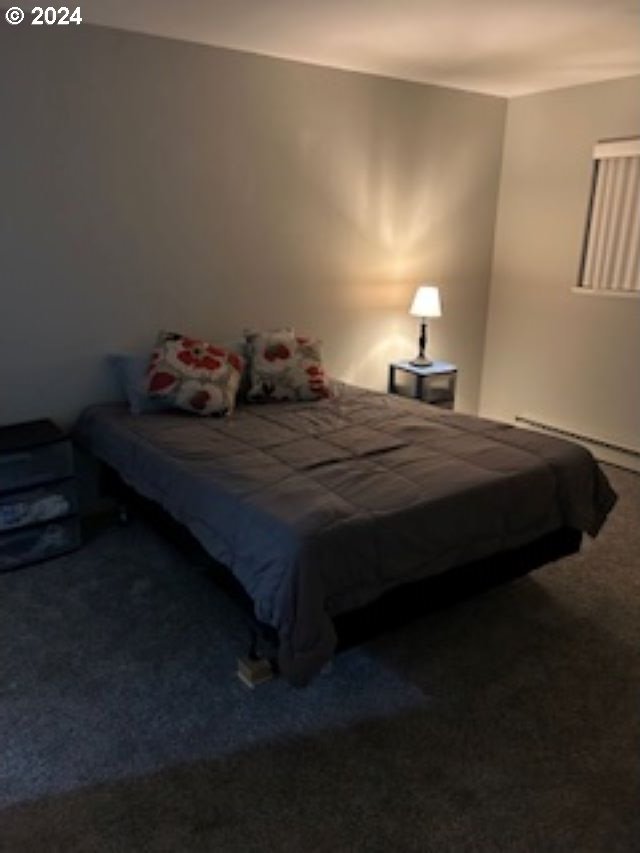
318, 508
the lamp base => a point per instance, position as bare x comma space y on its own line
421, 361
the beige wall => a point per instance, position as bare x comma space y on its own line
149, 183
567, 359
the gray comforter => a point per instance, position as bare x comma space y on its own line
320, 507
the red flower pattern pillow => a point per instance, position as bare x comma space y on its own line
285, 366
194, 375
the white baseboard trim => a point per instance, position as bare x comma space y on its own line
603, 449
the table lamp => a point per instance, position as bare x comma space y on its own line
426, 303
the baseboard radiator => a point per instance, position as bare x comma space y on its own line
589, 439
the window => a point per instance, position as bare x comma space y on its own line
611, 253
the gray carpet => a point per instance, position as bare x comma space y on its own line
506, 723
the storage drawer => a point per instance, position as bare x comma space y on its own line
30, 466
33, 544
34, 506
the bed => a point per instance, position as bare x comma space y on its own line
320, 508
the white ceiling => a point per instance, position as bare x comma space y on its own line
501, 47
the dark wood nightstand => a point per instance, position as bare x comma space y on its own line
434, 384
38, 498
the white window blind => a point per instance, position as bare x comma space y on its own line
611, 252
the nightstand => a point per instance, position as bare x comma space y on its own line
38, 498
434, 384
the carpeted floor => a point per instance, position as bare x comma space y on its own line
509, 722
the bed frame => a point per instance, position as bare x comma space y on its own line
395, 608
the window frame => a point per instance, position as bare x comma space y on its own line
605, 149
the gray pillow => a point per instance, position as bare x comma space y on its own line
131, 373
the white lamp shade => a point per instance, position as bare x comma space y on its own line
426, 302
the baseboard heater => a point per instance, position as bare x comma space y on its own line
598, 442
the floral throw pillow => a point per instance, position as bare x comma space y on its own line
194, 375
285, 366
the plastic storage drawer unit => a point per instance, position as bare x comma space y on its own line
33, 544
44, 503
29, 467
38, 499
